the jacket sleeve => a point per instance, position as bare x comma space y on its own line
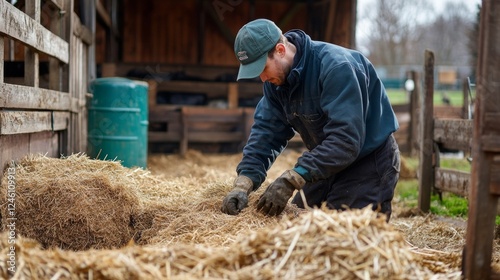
268, 137
344, 100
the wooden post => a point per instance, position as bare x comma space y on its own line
2, 41
31, 62
413, 130
426, 168
232, 95
183, 145
466, 93
55, 70
485, 179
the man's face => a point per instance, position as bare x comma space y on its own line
276, 70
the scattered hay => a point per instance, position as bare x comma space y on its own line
406, 171
320, 244
173, 211
429, 233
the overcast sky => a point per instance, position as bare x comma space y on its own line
438, 5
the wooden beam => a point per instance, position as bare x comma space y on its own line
2, 50
25, 97
454, 181
162, 137
453, 133
491, 124
55, 66
19, 26
81, 31
55, 4
225, 31
426, 165
232, 96
297, 6
103, 13
17, 122
190, 86
31, 61
332, 10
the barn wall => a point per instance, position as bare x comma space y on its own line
202, 32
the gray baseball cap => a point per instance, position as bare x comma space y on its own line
254, 40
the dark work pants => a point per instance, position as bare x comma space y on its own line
370, 180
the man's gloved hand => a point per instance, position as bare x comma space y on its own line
274, 199
237, 199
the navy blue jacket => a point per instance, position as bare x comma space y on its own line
333, 98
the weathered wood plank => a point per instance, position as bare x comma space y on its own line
81, 31
482, 201
31, 61
215, 136
454, 181
490, 143
17, 122
194, 86
160, 136
24, 97
495, 175
491, 127
13, 147
211, 119
103, 13
453, 133
448, 112
232, 95
55, 4
45, 143
18, 25
2, 49
164, 113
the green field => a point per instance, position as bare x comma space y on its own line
399, 96
450, 205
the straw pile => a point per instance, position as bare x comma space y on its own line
172, 212
320, 244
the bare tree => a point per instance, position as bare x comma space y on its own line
401, 30
448, 35
394, 29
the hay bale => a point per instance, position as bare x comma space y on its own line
74, 203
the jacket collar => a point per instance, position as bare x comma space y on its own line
302, 42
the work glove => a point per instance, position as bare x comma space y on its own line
274, 199
237, 199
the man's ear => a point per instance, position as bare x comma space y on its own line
280, 49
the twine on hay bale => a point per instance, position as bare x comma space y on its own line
73, 203
321, 244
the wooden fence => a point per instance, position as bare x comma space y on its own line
49, 120
408, 135
438, 132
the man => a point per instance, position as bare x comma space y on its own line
334, 99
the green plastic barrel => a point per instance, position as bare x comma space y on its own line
118, 121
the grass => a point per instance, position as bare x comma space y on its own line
399, 96
450, 205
